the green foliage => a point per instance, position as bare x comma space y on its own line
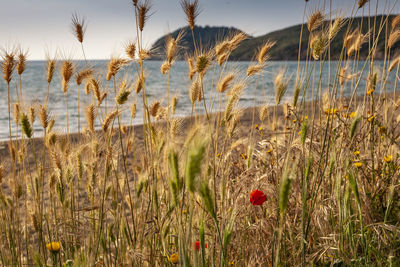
196, 155
26, 125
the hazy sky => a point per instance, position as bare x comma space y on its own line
42, 25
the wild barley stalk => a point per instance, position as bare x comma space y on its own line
305, 232
50, 68
67, 71
107, 171
78, 27
125, 164
20, 67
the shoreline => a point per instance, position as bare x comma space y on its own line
243, 129
245, 122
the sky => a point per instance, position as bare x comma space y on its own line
44, 25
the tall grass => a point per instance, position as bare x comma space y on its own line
176, 191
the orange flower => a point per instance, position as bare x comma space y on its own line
53, 246
174, 258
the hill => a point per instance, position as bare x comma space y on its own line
206, 38
287, 41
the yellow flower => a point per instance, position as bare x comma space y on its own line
218, 155
356, 153
370, 91
53, 246
352, 115
174, 258
371, 118
331, 111
269, 150
358, 164
388, 158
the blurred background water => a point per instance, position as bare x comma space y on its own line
34, 89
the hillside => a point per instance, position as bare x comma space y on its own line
287, 41
206, 38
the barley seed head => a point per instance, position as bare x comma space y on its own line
154, 108
225, 82
83, 74
78, 26
394, 63
315, 20
26, 125
393, 38
195, 91
281, 83
50, 68
395, 22
133, 110
165, 67
90, 117
130, 49
203, 62
43, 116
8, 65
109, 119
143, 13
32, 114
67, 70
221, 59
114, 66
139, 84
335, 27
174, 103
191, 10
361, 3
236, 40
318, 44
172, 46
17, 111
263, 56
253, 69
21, 65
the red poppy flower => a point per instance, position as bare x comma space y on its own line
197, 245
257, 197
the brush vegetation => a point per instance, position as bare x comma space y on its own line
287, 40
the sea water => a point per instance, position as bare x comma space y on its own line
259, 89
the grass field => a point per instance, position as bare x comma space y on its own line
289, 184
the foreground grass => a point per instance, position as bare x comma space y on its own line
296, 183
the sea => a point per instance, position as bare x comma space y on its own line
259, 89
